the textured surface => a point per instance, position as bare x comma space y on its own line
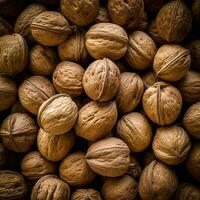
149, 78
86, 194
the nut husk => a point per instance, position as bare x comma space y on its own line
86, 194
149, 78
5, 27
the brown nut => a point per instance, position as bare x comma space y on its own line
68, 78
171, 144
103, 16
109, 157
143, 23
5, 27
157, 180
101, 80
2, 155
86, 194
106, 40
50, 186
18, 132
162, 103
34, 91
75, 170
149, 78
96, 120
141, 50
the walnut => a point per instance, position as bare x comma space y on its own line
18, 108
103, 16
143, 23
5, 27
149, 78
2, 155
86, 194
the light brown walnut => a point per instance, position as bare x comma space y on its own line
86, 194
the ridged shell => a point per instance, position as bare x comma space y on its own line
86, 194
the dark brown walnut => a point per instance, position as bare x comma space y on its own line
50, 187
109, 157
81, 13
50, 28
191, 120
101, 80
34, 91
68, 78
126, 13
58, 114
158, 181
75, 170
18, 132
24, 20
174, 21
196, 11
171, 144
162, 103
153, 6
141, 50
103, 16
135, 130
106, 40
171, 62
193, 161
131, 89
5, 27
8, 92
18, 108
86, 194
189, 87
43, 60
149, 78
2, 155
96, 120
134, 167
55, 147
147, 157
14, 53
120, 188
143, 23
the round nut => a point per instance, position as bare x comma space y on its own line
149, 78
5, 27
86, 194
103, 16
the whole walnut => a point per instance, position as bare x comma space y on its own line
111, 43
191, 120
143, 23
12, 185
5, 27
171, 62
135, 130
141, 50
18, 108
81, 13
158, 181
195, 11
120, 188
75, 170
86, 194
162, 103
50, 187
171, 144
68, 78
174, 21
109, 157
24, 20
58, 114
126, 13
34, 166
18, 132
55, 147
14, 53
103, 16
149, 78
43, 60
50, 28
2, 155
131, 89
96, 120
8, 92
101, 80
34, 91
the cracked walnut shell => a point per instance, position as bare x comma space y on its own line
86, 194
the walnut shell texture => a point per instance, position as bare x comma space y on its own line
86, 194
103, 16
143, 22
149, 78
5, 27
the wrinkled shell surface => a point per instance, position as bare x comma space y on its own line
149, 78
5, 27
143, 23
86, 194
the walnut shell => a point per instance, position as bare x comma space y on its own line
174, 21
149, 78
18, 108
96, 120
109, 157
143, 23
50, 187
86, 194
55, 147
75, 170
68, 78
61, 109
171, 144
34, 91
12, 185
14, 53
171, 62
126, 13
130, 92
34, 166
2, 155
157, 181
162, 103
5, 27
106, 40
135, 130
82, 12
50, 28
101, 80
103, 16
141, 50
18, 132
